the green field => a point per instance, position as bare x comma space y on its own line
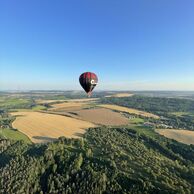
179, 114
144, 130
39, 107
54, 97
14, 102
137, 121
187, 116
14, 135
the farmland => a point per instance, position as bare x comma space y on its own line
129, 110
69, 100
119, 144
89, 110
66, 118
68, 105
120, 95
102, 116
42, 127
183, 136
13, 102
14, 135
69, 119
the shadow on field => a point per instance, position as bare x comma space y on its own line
79, 134
44, 139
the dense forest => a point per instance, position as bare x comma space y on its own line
105, 160
153, 104
164, 107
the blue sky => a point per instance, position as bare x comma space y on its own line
130, 44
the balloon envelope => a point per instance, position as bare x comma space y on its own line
88, 81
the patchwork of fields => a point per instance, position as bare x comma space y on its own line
42, 127
70, 118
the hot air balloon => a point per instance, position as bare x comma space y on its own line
88, 82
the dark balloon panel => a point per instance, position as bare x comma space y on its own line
88, 81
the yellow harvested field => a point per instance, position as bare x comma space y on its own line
183, 136
71, 105
43, 127
68, 104
83, 100
70, 100
129, 110
102, 116
120, 95
67, 109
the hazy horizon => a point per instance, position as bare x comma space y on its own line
111, 91
130, 45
